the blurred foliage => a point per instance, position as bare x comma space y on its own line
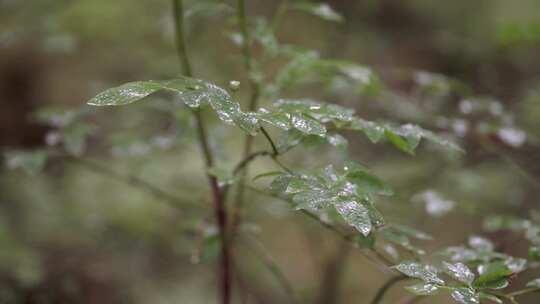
465, 69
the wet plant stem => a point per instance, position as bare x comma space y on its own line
255, 90
386, 287
226, 276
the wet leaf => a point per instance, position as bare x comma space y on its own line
369, 183
193, 92
493, 276
412, 232
460, 272
481, 244
355, 215
465, 296
423, 289
308, 125
267, 174
127, 93
313, 200
419, 271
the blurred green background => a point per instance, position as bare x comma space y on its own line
70, 235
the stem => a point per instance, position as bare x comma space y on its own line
333, 276
272, 144
178, 12
386, 287
261, 252
133, 181
281, 10
523, 291
254, 98
218, 199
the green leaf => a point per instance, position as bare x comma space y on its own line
460, 254
372, 130
534, 252
412, 232
31, 162
301, 183
516, 265
399, 142
322, 10
355, 215
368, 183
419, 271
193, 92
423, 289
266, 174
280, 183
376, 217
127, 93
460, 272
534, 283
289, 139
366, 242
281, 120
337, 141
493, 276
465, 296
313, 200
481, 244
400, 239
308, 67
308, 125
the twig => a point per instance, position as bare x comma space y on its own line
386, 287
133, 181
332, 277
253, 100
281, 10
218, 199
383, 263
272, 144
262, 253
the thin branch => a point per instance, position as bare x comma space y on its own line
270, 141
333, 275
386, 287
382, 263
246, 161
178, 12
255, 90
219, 203
133, 181
262, 253
280, 13
523, 291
